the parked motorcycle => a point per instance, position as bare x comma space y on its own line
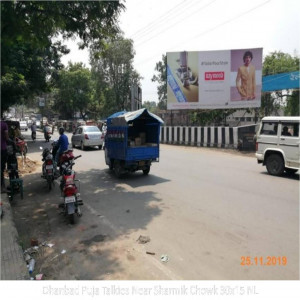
70, 187
15, 185
48, 171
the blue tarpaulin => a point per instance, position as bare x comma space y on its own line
283, 81
125, 117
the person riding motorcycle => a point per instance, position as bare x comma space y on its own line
62, 144
33, 131
47, 132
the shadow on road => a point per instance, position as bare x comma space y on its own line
285, 175
113, 210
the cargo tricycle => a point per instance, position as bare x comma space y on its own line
132, 141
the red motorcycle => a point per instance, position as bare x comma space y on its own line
70, 187
48, 171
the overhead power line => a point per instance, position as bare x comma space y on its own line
177, 22
209, 30
166, 18
154, 22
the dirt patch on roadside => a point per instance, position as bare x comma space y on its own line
26, 166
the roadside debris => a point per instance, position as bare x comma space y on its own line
143, 239
45, 244
31, 252
57, 255
31, 266
27, 257
39, 276
34, 242
164, 258
150, 253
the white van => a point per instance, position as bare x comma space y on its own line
277, 144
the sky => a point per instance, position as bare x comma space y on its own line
160, 26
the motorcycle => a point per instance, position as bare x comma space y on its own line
48, 171
70, 187
15, 183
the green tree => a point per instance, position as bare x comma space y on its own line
113, 74
74, 91
150, 105
292, 106
276, 63
161, 79
29, 54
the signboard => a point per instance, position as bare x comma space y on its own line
283, 81
214, 79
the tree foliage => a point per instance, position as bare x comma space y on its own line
75, 92
161, 79
29, 54
150, 105
113, 74
276, 63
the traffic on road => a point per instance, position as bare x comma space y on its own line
200, 214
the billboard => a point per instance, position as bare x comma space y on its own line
214, 79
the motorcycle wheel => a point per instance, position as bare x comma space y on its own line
49, 180
72, 218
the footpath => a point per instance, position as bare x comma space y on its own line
13, 265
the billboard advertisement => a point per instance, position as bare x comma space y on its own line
214, 79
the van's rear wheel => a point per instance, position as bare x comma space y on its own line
275, 165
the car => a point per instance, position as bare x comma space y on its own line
277, 145
23, 125
87, 136
38, 123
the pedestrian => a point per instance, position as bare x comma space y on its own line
4, 139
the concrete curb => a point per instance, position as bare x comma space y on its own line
13, 265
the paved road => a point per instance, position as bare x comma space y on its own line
205, 209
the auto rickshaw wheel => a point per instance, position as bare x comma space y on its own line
146, 171
118, 168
